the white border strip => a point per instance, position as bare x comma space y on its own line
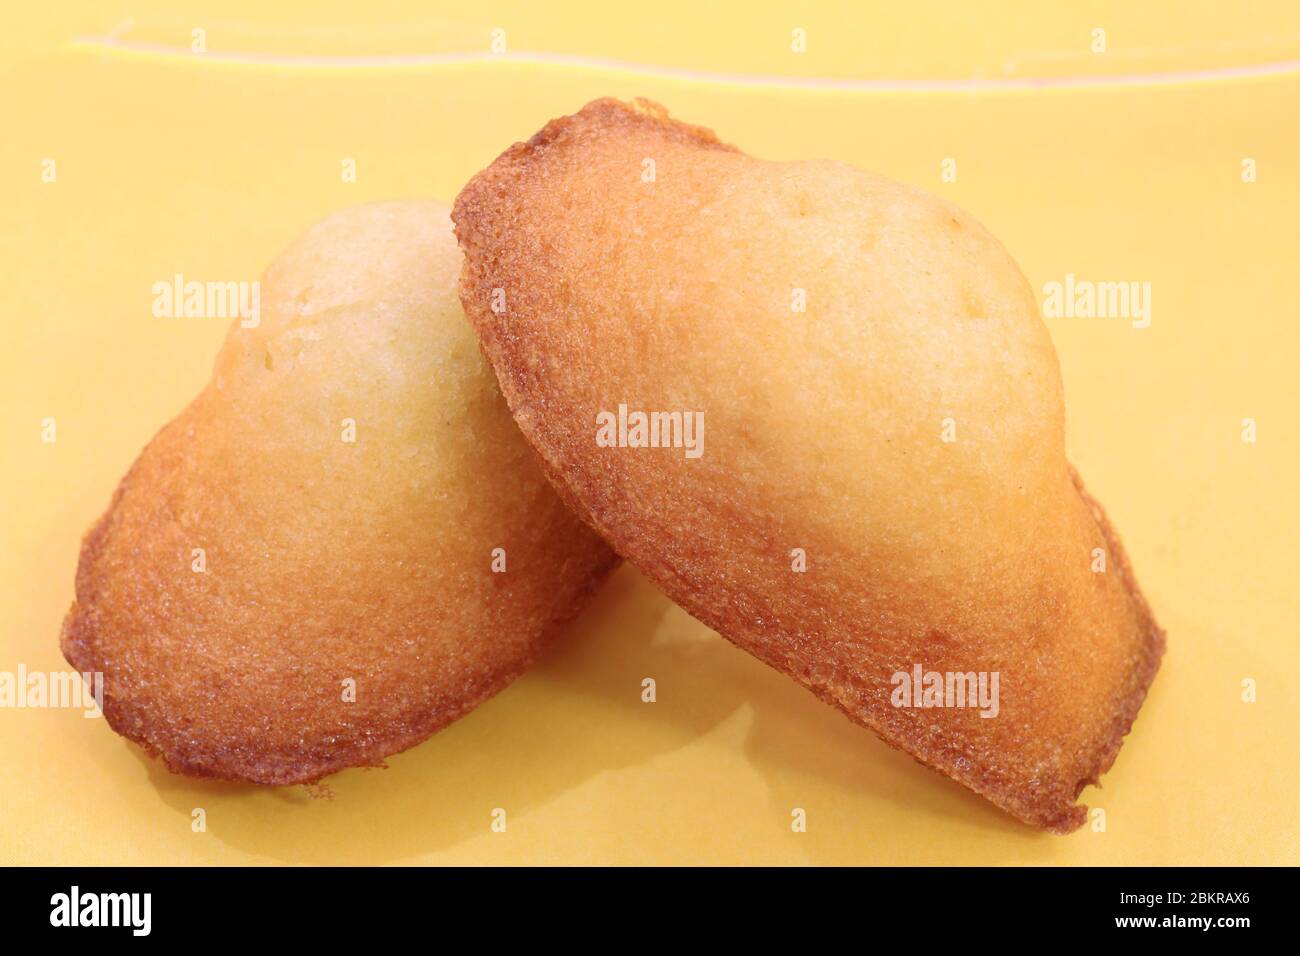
109, 44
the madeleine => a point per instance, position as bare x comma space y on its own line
344, 543
884, 490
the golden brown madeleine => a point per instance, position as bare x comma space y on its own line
297, 574
881, 486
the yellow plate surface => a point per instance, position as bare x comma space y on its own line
1125, 164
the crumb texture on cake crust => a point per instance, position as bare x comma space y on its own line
592, 284
255, 564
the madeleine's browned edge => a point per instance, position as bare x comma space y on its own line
79, 642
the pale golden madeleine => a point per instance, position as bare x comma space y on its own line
297, 574
882, 481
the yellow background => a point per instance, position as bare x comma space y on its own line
208, 165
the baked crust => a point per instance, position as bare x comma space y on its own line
667, 292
